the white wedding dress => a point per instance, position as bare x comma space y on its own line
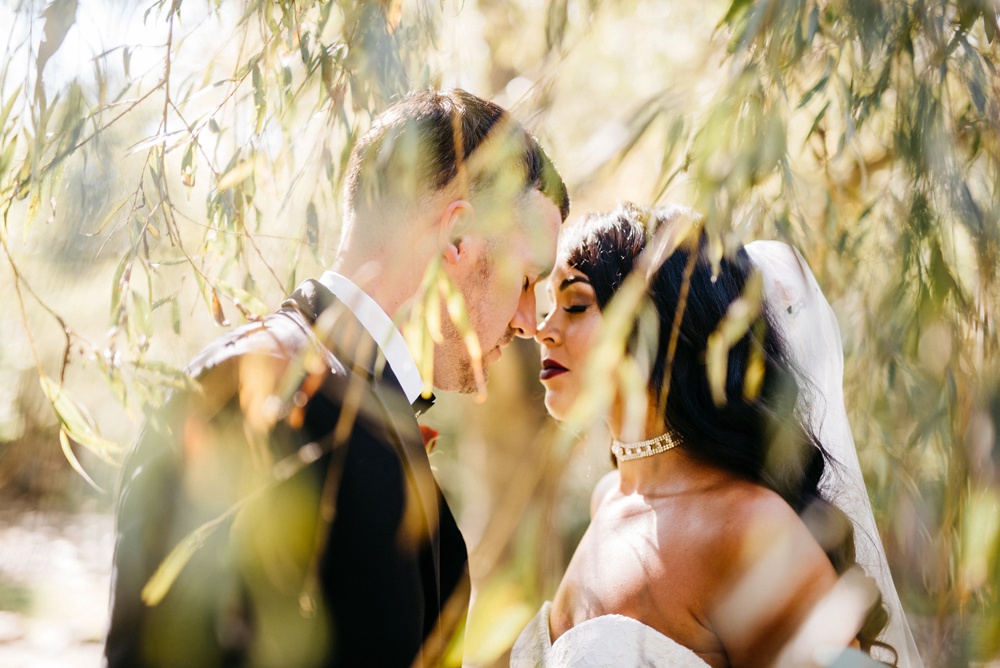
609, 641
812, 335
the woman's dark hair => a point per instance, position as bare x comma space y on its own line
758, 435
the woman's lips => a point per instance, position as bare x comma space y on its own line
551, 369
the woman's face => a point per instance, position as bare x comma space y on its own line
566, 336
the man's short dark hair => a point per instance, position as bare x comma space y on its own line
431, 139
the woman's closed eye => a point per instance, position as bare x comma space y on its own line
576, 308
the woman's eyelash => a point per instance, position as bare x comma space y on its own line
576, 308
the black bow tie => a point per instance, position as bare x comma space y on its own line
421, 405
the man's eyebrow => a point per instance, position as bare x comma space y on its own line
571, 280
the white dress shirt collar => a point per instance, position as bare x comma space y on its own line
381, 328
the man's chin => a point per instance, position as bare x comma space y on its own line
462, 383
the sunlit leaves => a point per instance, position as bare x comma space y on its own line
67, 450
77, 422
248, 304
170, 568
422, 326
217, 312
312, 225
236, 175
555, 22
740, 315
188, 165
259, 97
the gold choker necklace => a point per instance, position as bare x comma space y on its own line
654, 446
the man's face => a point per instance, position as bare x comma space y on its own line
497, 280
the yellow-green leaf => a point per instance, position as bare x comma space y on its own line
166, 573
716, 366
235, 176
74, 462
77, 423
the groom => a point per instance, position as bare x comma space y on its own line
291, 489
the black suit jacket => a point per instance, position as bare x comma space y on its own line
295, 480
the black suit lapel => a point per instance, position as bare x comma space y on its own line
342, 334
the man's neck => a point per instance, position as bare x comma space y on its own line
376, 280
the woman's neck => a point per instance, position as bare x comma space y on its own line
663, 472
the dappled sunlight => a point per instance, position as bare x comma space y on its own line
170, 171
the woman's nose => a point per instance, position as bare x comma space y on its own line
547, 331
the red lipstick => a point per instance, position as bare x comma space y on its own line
551, 369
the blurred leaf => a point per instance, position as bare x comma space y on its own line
740, 315
243, 298
77, 422
496, 619
459, 315
168, 375
127, 62
235, 176
312, 225
753, 379
188, 165
166, 573
175, 315
736, 9
259, 98
74, 462
7, 107
817, 120
107, 219
141, 315
819, 85
393, 10
118, 284
217, 313
7, 157
555, 23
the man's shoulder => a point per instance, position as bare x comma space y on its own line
283, 334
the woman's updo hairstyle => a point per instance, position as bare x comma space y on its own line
756, 430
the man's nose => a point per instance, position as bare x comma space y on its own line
525, 323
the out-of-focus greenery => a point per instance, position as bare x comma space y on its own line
173, 167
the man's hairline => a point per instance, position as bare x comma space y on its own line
421, 202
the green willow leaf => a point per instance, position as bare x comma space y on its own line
239, 173
259, 97
8, 107
740, 315
118, 285
74, 462
77, 422
170, 568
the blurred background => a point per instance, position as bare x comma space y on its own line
169, 169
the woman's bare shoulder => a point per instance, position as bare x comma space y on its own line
777, 573
750, 521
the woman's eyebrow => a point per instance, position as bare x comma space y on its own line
571, 280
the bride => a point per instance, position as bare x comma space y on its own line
729, 534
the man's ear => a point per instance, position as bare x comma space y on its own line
452, 225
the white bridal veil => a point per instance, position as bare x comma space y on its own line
813, 338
